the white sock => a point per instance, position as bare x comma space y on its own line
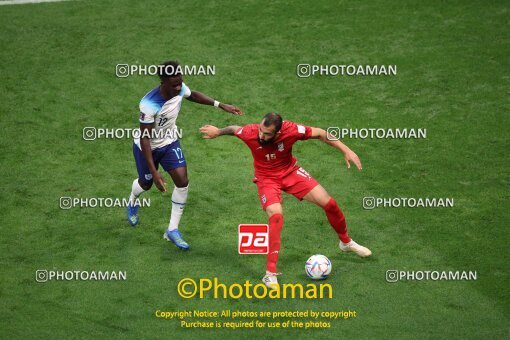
136, 191
179, 198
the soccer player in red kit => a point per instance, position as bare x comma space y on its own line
276, 170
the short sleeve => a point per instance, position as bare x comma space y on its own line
185, 91
244, 132
300, 132
147, 112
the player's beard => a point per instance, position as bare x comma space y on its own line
265, 142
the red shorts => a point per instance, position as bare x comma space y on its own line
297, 183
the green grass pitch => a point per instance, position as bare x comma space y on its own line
57, 67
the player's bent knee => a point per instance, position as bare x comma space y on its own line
323, 201
274, 209
183, 183
179, 177
145, 185
318, 195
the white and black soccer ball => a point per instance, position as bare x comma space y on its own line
318, 267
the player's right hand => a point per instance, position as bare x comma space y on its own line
232, 109
349, 157
210, 131
159, 181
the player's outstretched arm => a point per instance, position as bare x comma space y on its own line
211, 132
200, 98
349, 155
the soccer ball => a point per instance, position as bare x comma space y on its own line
318, 267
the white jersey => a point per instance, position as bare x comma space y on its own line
154, 109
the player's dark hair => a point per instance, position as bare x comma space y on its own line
273, 118
169, 69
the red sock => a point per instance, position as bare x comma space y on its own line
275, 227
337, 220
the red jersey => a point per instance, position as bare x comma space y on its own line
273, 160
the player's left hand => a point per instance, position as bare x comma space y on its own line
232, 109
209, 131
349, 157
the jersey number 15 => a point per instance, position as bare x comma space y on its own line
270, 156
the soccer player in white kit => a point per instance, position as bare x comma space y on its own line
159, 144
